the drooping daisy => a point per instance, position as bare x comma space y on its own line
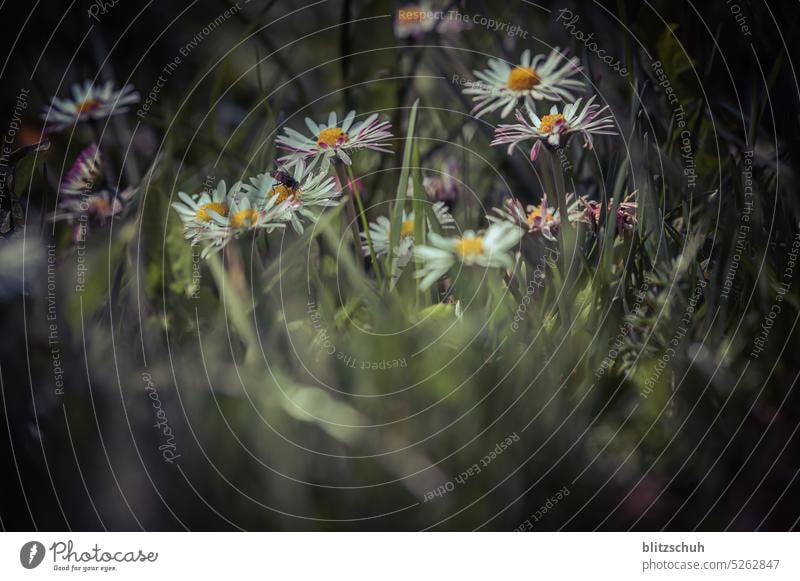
304, 192
84, 194
89, 101
380, 233
89, 210
332, 140
588, 212
444, 186
489, 250
542, 78
556, 128
414, 20
85, 174
541, 219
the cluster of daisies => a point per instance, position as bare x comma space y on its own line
541, 78
302, 187
264, 203
295, 192
303, 184
87, 194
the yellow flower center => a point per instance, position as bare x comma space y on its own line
101, 205
407, 228
469, 246
202, 214
550, 121
537, 213
283, 192
243, 218
88, 105
522, 79
331, 136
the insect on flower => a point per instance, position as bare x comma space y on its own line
284, 178
301, 192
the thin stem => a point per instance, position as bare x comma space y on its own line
556, 181
235, 305
111, 179
130, 166
123, 132
362, 214
560, 189
350, 208
566, 235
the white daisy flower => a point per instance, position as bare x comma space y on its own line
333, 140
380, 233
85, 174
541, 219
243, 215
489, 250
556, 128
195, 211
89, 101
301, 192
545, 78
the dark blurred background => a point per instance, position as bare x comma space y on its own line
89, 459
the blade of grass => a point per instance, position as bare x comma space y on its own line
418, 206
402, 187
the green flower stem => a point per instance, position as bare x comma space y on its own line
350, 208
566, 234
110, 176
559, 187
235, 306
566, 238
362, 214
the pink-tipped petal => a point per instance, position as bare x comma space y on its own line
535, 150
